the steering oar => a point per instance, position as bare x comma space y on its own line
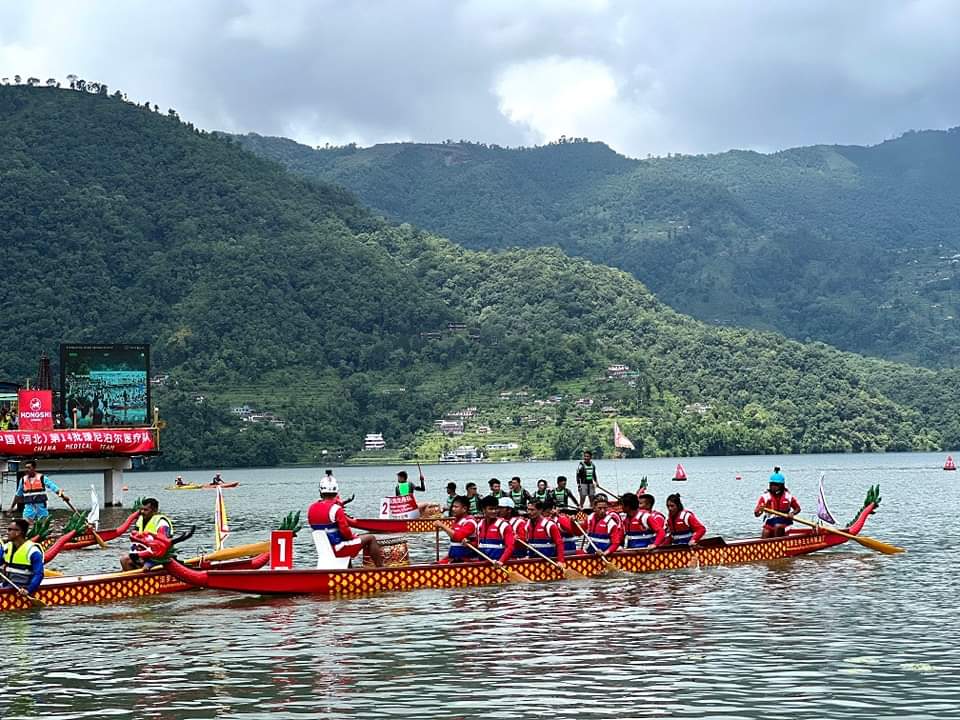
868, 542
96, 537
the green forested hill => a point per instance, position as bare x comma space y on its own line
854, 246
255, 286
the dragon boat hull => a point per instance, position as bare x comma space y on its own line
367, 581
109, 587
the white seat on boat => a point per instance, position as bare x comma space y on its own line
326, 560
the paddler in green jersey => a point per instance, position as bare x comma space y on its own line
542, 491
563, 499
473, 497
495, 491
519, 496
451, 496
405, 488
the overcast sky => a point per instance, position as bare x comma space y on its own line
644, 76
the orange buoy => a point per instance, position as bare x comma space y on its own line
948, 465
738, 478
680, 474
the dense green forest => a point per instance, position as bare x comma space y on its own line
858, 247
256, 286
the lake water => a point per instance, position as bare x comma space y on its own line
846, 633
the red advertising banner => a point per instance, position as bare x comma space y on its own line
131, 441
35, 409
281, 550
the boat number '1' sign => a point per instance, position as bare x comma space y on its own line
281, 550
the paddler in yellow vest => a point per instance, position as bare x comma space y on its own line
150, 521
22, 558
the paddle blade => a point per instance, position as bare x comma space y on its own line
694, 561
879, 546
569, 574
516, 577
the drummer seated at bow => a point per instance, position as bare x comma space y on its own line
152, 522
604, 527
22, 558
328, 515
464, 530
777, 497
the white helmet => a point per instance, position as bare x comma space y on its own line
328, 485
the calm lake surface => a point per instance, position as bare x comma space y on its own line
847, 633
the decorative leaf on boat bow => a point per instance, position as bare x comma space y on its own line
291, 522
873, 497
41, 529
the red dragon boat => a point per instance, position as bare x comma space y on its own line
415, 525
368, 580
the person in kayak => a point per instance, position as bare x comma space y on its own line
327, 514
22, 558
32, 492
150, 521
180, 482
464, 529
217, 480
683, 526
777, 497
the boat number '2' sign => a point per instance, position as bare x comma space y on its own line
281, 550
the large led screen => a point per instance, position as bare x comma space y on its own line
106, 385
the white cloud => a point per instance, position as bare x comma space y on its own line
654, 76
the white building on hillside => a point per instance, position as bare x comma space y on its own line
374, 441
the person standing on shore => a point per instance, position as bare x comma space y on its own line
586, 478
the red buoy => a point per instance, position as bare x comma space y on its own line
680, 474
948, 465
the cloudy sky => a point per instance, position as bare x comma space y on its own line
645, 76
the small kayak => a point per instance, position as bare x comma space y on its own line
210, 486
188, 486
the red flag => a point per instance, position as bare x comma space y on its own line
620, 440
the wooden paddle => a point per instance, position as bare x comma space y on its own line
21, 591
568, 573
96, 537
612, 567
868, 542
512, 574
241, 551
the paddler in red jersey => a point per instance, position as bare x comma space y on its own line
464, 529
604, 527
327, 514
644, 527
683, 526
544, 533
568, 530
495, 535
777, 497
507, 509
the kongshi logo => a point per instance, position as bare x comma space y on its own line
35, 404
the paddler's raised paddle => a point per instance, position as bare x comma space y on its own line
513, 575
568, 574
96, 537
868, 542
612, 567
21, 591
613, 497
